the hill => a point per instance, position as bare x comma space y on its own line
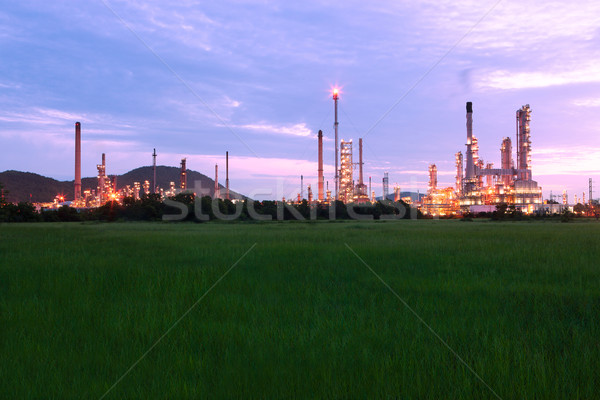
27, 186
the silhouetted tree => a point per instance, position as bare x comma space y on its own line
579, 208
22, 212
500, 212
566, 215
3, 194
68, 214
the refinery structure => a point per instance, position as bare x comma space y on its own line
107, 189
478, 186
347, 189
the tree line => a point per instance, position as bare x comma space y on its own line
187, 207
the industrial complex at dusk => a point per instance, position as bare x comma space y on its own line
299, 200
479, 187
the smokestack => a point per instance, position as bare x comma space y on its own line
335, 100
320, 170
227, 174
217, 190
77, 161
183, 177
369, 184
470, 169
154, 171
301, 187
101, 179
360, 163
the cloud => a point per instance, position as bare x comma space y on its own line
228, 102
10, 85
40, 116
52, 116
180, 22
587, 102
566, 160
506, 79
300, 129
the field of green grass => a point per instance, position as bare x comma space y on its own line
300, 316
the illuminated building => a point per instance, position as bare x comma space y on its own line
360, 190
507, 184
459, 173
346, 172
439, 201
183, 175
386, 185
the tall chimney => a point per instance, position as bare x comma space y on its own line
227, 174
470, 168
337, 179
360, 163
320, 170
77, 161
183, 175
101, 179
217, 190
154, 171
301, 187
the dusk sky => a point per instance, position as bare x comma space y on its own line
197, 78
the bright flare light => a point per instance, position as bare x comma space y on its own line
336, 92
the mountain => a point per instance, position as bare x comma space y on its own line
27, 186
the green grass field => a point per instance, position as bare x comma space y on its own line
300, 316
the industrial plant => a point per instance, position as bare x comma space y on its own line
347, 190
478, 186
107, 189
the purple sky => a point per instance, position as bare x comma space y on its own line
198, 78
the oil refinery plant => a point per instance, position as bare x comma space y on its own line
479, 187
